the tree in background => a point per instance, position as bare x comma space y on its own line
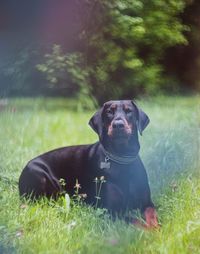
59, 67
122, 45
183, 61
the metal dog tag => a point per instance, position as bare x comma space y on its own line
105, 164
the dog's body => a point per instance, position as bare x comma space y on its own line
114, 158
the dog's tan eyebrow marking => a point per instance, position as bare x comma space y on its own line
126, 106
113, 106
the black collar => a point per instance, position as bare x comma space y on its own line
118, 159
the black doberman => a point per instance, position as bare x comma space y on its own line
113, 161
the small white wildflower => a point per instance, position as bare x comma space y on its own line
67, 199
71, 225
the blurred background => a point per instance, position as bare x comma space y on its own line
95, 50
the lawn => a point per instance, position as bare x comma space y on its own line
170, 149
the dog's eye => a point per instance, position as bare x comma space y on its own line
109, 111
127, 110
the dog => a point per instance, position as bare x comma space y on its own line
112, 164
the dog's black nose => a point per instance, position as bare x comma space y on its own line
118, 124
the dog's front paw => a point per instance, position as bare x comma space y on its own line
151, 218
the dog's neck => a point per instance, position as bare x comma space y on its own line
129, 148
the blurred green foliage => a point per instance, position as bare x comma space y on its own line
58, 66
123, 43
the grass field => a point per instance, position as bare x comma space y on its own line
170, 149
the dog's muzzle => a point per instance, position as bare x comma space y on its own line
119, 128
118, 124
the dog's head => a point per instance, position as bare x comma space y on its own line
119, 120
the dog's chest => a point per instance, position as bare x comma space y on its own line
118, 174
115, 173
119, 179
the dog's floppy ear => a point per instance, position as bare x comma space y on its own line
142, 119
96, 122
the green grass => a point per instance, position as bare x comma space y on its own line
169, 149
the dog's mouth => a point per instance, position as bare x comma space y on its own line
120, 133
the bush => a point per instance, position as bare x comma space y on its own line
122, 45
